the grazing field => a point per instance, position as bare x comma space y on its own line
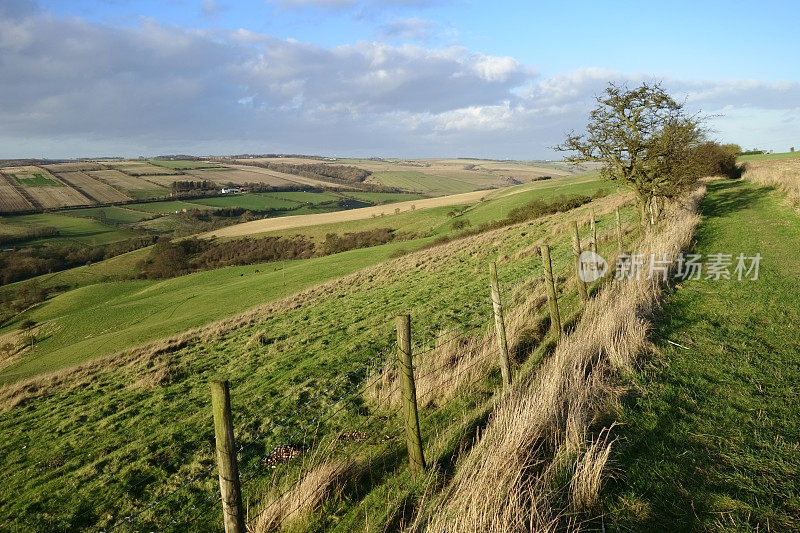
135, 187
10, 199
165, 208
422, 224
93, 187
413, 180
113, 214
711, 438
272, 177
239, 176
144, 420
71, 229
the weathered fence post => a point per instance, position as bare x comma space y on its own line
550, 282
232, 514
410, 415
576, 250
619, 232
497, 304
593, 228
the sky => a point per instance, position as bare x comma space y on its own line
390, 78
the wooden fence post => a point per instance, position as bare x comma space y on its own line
619, 232
410, 415
593, 228
576, 250
550, 282
232, 514
497, 304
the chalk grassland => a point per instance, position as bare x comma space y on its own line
149, 309
140, 168
144, 416
11, 200
93, 187
779, 172
136, 187
413, 210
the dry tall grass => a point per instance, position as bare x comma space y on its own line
305, 496
539, 464
781, 173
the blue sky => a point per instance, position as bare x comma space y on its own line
410, 78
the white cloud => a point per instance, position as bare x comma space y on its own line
69, 87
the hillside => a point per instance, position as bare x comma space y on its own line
143, 421
136, 311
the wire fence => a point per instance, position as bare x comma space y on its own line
190, 500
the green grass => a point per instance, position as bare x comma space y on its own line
166, 207
117, 215
38, 180
711, 441
767, 157
256, 201
110, 441
146, 194
133, 314
72, 229
412, 180
183, 165
384, 197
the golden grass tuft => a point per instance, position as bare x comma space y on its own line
306, 496
540, 463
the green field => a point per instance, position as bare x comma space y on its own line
37, 180
136, 311
256, 201
412, 180
165, 208
768, 157
132, 438
72, 229
711, 439
114, 214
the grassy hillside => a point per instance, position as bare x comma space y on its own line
711, 440
134, 312
143, 421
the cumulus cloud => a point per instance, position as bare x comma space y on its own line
409, 29
69, 87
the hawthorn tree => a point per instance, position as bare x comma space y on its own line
644, 140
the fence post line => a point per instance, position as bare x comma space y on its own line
231, 493
619, 231
497, 304
410, 415
550, 282
576, 249
593, 228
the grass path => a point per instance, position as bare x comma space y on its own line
711, 442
